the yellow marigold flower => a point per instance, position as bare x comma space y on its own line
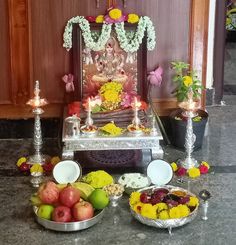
133, 18
193, 202
55, 160
111, 95
188, 81
134, 198
148, 211
20, 161
111, 86
36, 168
174, 166
206, 164
184, 210
161, 206
194, 172
99, 19
137, 207
164, 214
174, 213
115, 14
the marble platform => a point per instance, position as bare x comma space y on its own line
18, 226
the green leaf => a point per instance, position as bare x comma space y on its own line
96, 109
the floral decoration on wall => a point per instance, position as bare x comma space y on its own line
113, 16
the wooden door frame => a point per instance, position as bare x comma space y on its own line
198, 41
219, 50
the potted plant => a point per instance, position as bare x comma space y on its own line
187, 82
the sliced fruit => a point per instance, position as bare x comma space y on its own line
85, 189
35, 200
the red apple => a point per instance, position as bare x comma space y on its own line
82, 211
69, 196
48, 192
61, 214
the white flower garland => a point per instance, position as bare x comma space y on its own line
133, 44
128, 45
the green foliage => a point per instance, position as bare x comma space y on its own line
182, 73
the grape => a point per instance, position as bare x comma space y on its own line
144, 198
184, 200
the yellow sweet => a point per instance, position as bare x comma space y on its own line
98, 179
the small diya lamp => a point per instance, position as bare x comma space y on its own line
89, 128
136, 127
190, 108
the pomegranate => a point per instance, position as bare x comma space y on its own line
61, 214
69, 196
48, 192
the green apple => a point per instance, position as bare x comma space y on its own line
45, 211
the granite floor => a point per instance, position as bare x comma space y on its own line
18, 226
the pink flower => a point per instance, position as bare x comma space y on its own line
68, 80
127, 99
181, 171
203, 169
155, 77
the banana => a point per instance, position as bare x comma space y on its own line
35, 200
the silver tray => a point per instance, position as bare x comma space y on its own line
70, 226
169, 223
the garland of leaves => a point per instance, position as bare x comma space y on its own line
126, 43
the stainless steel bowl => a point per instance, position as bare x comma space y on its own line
169, 223
70, 226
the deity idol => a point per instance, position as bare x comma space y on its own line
110, 64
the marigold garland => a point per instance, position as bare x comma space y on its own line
192, 172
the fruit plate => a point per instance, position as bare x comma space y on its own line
168, 223
69, 226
